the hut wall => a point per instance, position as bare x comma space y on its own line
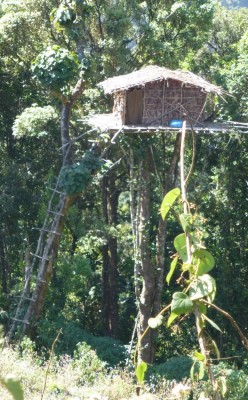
180, 98
167, 100
153, 103
119, 107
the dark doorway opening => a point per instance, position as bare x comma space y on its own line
134, 110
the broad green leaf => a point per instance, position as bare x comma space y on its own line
212, 323
168, 201
140, 371
201, 370
192, 372
202, 307
181, 303
172, 269
180, 246
171, 318
203, 260
203, 286
199, 356
217, 352
155, 322
185, 220
222, 382
13, 386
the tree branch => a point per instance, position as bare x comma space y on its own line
243, 338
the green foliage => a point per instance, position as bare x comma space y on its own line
26, 347
140, 371
175, 368
181, 303
35, 121
227, 58
199, 361
110, 351
86, 360
172, 269
133, 34
13, 386
64, 15
168, 201
203, 286
56, 68
155, 322
204, 261
76, 177
180, 246
233, 382
198, 286
168, 30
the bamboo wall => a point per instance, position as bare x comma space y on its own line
164, 101
167, 100
119, 108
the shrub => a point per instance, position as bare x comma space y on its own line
86, 360
175, 368
234, 382
109, 350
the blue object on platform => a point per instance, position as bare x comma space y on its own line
176, 123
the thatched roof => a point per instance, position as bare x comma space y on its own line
154, 73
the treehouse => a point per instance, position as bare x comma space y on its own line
155, 98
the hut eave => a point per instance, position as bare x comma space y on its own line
153, 73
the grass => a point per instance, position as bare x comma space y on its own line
63, 379
85, 377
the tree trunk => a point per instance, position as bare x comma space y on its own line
169, 183
112, 243
149, 291
145, 302
45, 271
110, 263
4, 265
48, 248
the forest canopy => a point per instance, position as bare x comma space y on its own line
59, 175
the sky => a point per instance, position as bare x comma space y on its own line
234, 3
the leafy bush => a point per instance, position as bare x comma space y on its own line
234, 382
56, 67
86, 360
77, 176
35, 121
175, 368
109, 351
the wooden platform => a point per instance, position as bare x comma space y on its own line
109, 123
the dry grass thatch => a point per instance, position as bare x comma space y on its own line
154, 73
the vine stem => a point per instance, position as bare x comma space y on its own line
49, 363
198, 320
145, 332
243, 338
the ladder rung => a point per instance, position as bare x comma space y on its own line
55, 212
36, 255
20, 320
25, 298
41, 280
56, 191
47, 230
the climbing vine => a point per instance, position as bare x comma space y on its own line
76, 177
198, 287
